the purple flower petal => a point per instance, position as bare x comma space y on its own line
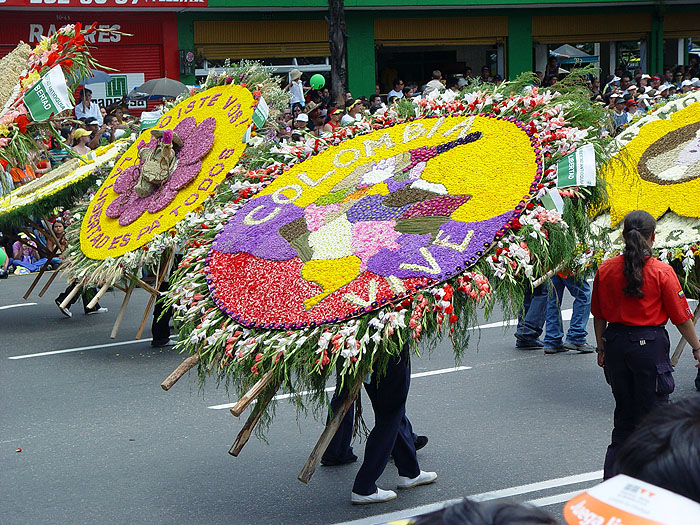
133, 209
115, 208
183, 175
127, 179
185, 127
199, 142
161, 199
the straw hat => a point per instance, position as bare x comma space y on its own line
295, 75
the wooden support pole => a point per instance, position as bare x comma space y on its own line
180, 371
251, 394
163, 272
51, 280
99, 294
75, 291
331, 428
36, 280
681, 344
122, 310
247, 430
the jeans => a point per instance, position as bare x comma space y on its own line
580, 290
532, 316
32, 267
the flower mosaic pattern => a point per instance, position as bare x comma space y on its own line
197, 139
374, 233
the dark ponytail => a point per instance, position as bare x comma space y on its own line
638, 227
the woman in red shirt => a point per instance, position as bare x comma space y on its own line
634, 295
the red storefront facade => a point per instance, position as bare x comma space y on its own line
151, 52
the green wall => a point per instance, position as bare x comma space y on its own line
519, 46
360, 52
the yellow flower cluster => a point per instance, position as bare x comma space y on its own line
232, 107
496, 173
658, 169
59, 178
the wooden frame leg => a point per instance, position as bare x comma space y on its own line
162, 274
75, 291
98, 296
331, 428
251, 394
49, 282
122, 310
255, 416
681, 344
180, 371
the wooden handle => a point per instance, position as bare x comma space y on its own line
251, 394
180, 371
247, 430
122, 310
98, 296
69, 297
331, 428
681, 344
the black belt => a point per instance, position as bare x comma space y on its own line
619, 327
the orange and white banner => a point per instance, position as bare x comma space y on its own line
623, 500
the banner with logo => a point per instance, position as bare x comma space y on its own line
49, 96
577, 168
108, 93
149, 119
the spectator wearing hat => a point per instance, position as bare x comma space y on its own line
81, 139
620, 116
87, 108
299, 126
333, 119
397, 92
353, 109
316, 119
485, 74
295, 88
686, 86
96, 131
632, 108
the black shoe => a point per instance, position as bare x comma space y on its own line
335, 462
555, 349
529, 344
421, 441
64, 311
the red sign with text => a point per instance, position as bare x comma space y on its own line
60, 4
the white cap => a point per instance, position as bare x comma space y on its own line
632, 88
643, 96
615, 79
695, 81
686, 83
646, 76
303, 117
664, 87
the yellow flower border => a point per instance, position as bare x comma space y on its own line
23, 195
232, 106
627, 191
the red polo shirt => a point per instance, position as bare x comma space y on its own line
663, 296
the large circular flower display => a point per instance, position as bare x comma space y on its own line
169, 171
658, 169
372, 220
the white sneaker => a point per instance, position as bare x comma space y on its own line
424, 478
99, 311
378, 497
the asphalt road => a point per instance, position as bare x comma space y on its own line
102, 443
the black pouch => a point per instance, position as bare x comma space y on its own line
664, 379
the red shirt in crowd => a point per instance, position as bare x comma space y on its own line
663, 296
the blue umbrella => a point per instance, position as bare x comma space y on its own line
97, 77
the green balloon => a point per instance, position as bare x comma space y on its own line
317, 81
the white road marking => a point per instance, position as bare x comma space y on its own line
7, 307
80, 349
596, 475
565, 315
280, 397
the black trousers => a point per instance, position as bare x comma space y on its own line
391, 434
87, 295
639, 371
160, 327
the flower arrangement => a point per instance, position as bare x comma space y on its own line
59, 187
240, 336
169, 172
656, 168
66, 48
94, 269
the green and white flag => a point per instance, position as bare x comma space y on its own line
49, 96
577, 168
149, 119
260, 114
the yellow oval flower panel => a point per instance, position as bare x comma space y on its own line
168, 172
659, 169
372, 220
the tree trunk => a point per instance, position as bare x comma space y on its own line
337, 38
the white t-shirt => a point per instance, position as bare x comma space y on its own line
397, 94
93, 110
296, 93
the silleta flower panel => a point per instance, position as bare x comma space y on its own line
372, 220
169, 171
658, 169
